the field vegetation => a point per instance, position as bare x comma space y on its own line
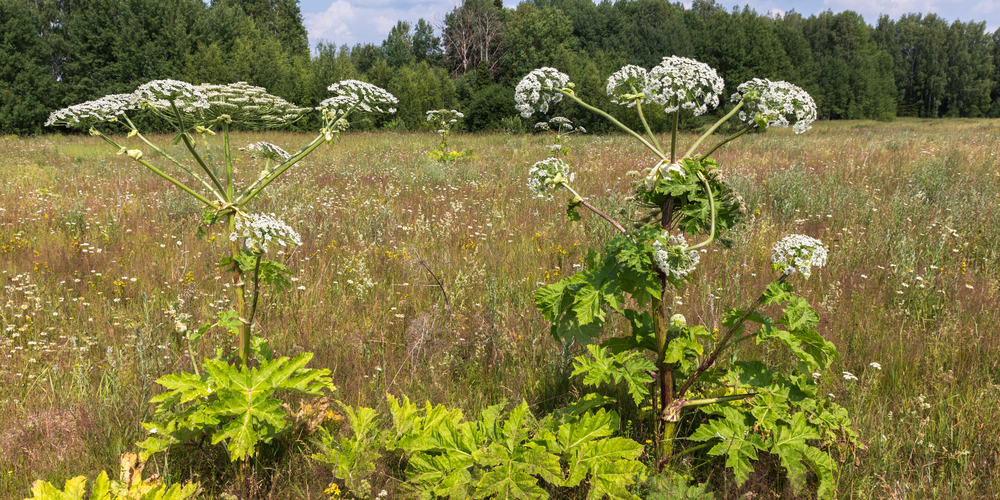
415, 277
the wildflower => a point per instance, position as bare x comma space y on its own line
628, 85
674, 260
797, 252
352, 94
90, 112
849, 376
269, 151
772, 104
259, 229
682, 83
538, 89
546, 176
248, 105
875, 365
163, 95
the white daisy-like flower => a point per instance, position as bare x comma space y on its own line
547, 176
538, 89
99, 110
673, 257
261, 229
364, 96
849, 376
269, 151
628, 85
775, 103
682, 83
799, 253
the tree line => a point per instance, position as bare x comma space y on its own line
54, 53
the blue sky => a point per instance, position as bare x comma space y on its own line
369, 21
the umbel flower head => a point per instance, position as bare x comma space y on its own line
262, 229
628, 85
682, 83
798, 253
267, 150
163, 95
245, 104
538, 89
547, 176
673, 257
357, 94
106, 108
773, 104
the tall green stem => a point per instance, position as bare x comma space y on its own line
243, 342
229, 161
594, 209
168, 157
711, 204
710, 131
673, 136
617, 123
649, 132
252, 191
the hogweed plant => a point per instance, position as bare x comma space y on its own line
442, 121
237, 405
738, 407
561, 128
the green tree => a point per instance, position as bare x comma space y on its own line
398, 46
418, 90
536, 36
27, 86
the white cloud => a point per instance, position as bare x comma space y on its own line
353, 21
894, 8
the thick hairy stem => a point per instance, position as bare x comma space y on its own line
723, 343
240, 288
665, 370
594, 209
618, 124
229, 161
704, 136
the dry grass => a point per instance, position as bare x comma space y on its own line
93, 251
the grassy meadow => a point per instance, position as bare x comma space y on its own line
416, 277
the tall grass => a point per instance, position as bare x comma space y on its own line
416, 277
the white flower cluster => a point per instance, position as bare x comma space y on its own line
364, 96
269, 151
248, 105
261, 229
559, 125
675, 260
451, 115
547, 176
103, 109
776, 103
628, 85
161, 95
682, 83
538, 89
797, 252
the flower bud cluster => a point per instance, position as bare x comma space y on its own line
538, 89
674, 259
547, 176
261, 229
798, 252
663, 170
269, 151
775, 103
357, 94
682, 83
